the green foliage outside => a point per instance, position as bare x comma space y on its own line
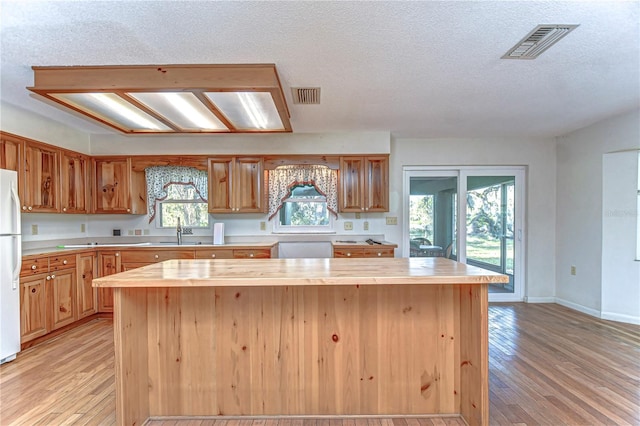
183, 202
421, 216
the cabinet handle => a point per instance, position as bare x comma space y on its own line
348, 254
362, 208
64, 209
156, 256
117, 254
24, 207
379, 254
128, 210
29, 208
53, 276
33, 267
33, 290
213, 255
251, 255
48, 278
64, 262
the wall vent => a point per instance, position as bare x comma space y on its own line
306, 95
537, 41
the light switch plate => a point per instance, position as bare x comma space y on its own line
34, 229
392, 220
366, 226
263, 226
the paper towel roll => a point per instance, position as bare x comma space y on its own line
218, 233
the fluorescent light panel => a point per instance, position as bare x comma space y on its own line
183, 109
248, 110
112, 108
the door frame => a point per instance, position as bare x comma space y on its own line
462, 172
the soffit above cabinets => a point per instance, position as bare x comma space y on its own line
166, 99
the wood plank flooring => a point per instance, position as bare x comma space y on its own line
548, 365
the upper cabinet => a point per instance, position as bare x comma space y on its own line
41, 179
118, 189
364, 184
10, 152
74, 182
236, 185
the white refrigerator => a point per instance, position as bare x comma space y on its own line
10, 262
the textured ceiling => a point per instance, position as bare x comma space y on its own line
416, 69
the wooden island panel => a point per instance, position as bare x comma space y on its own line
227, 343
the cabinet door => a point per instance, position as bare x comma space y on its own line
112, 186
220, 179
86, 294
10, 153
33, 321
41, 179
109, 263
74, 183
62, 298
377, 184
352, 184
248, 185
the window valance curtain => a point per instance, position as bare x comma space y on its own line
160, 177
284, 178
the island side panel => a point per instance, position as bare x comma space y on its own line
181, 346
314, 350
130, 340
474, 354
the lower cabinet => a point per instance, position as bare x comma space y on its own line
33, 307
61, 289
109, 263
47, 302
86, 295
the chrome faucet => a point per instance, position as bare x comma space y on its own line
179, 232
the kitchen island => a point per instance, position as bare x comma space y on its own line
301, 337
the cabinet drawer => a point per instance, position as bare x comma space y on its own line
379, 252
214, 254
151, 256
348, 252
34, 266
252, 254
62, 262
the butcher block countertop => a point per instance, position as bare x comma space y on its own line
300, 272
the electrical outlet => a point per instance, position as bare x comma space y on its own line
366, 226
263, 226
83, 227
358, 215
34, 229
348, 226
130, 232
392, 220
138, 232
187, 231
146, 232
573, 270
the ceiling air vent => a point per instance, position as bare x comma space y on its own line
537, 41
306, 95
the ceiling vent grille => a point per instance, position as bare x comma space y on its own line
306, 95
537, 41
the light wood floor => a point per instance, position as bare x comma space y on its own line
549, 365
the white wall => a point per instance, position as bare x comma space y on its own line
620, 260
278, 143
580, 207
538, 155
24, 123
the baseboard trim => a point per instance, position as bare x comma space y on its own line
579, 308
540, 299
611, 316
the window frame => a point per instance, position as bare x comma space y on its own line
158, 217
279, 228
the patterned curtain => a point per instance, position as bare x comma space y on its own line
160, 177
284, 178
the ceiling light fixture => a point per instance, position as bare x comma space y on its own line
537, 41
165, 99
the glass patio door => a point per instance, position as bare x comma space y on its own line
482, 227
